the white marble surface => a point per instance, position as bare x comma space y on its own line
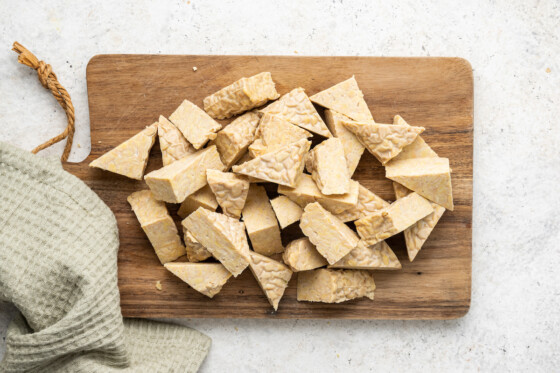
513, 46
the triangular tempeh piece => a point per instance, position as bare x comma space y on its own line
353, 148
172, 143
224, 237
418, 233
429, 177
260, 222
131, 157
346, 98
328, 167
272, 276
275, 132
296, 108
233, 140
283, 166
334, 285
242, 95
206, 278
417, 149
332, 238
368, 203
378, 256
230, 191
301, 255
193, 122
157, 224
195, 251
393, 219
384, 141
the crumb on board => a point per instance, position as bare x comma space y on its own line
236, 329
158, 285
79, 145
548, 69
99, 142
194, 68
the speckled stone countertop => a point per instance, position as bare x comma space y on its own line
513, 46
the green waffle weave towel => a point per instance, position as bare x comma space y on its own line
58, 265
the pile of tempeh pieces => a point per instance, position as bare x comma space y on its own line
209, 168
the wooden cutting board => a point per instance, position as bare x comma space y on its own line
128, 92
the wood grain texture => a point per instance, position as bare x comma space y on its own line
128, 92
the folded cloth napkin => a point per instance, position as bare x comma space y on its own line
58, 265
